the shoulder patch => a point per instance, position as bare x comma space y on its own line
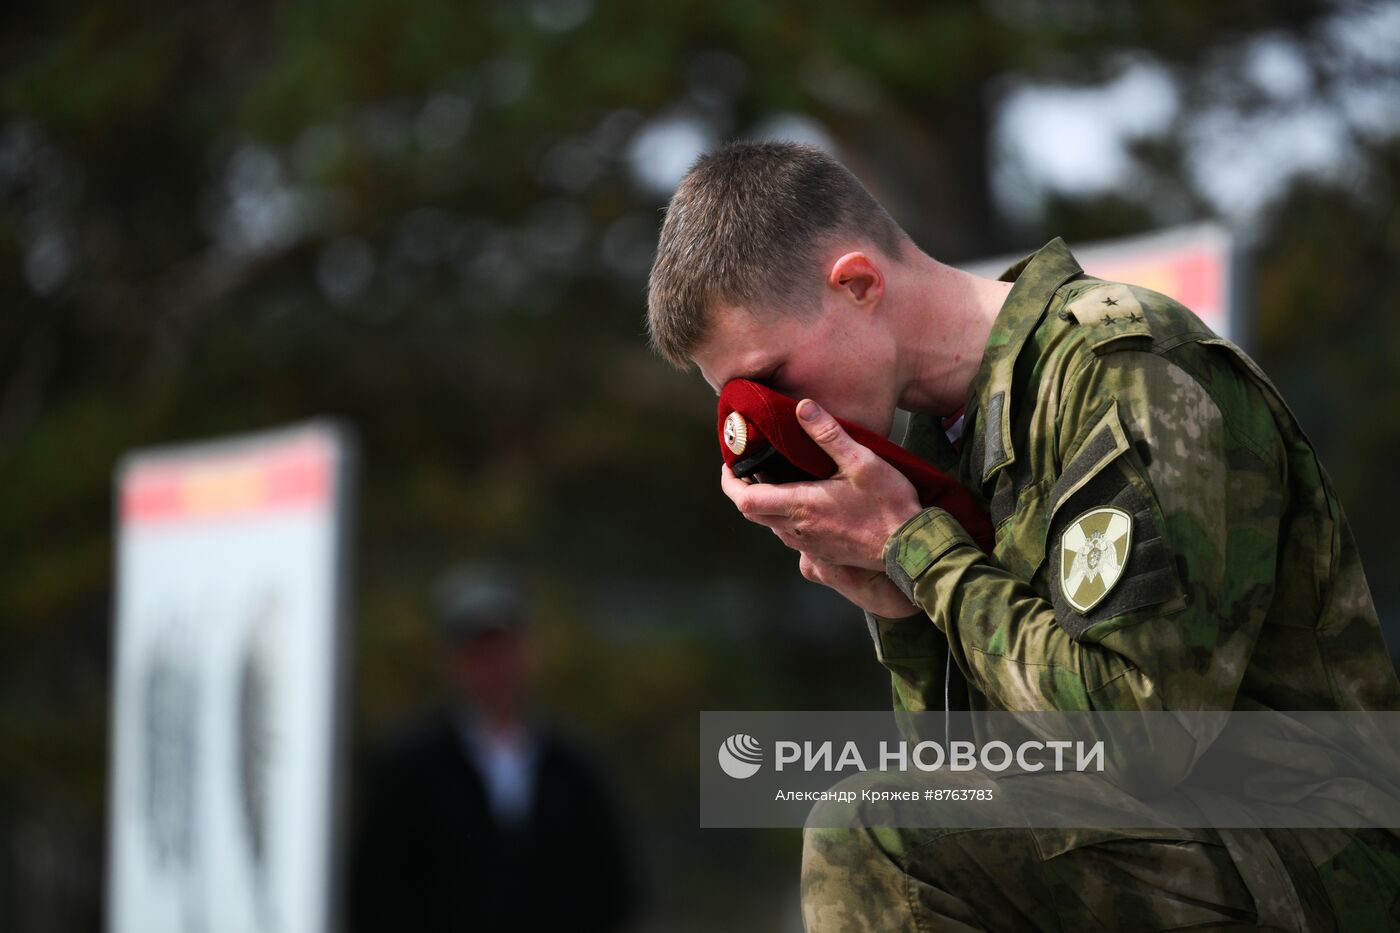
1106, 553
1094, 553
1139, 572
1109, 312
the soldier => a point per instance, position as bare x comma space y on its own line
1166, 539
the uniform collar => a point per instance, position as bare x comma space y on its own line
1036, 278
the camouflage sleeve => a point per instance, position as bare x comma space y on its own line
1160, 541
916, 655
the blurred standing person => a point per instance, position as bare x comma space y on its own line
481, 816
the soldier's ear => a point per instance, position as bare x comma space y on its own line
857, 278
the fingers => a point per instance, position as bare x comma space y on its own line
791, 537
757, 500
823, 428
867, 589
842, 579
825, 572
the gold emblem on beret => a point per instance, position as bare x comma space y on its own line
736, 433
1093, 555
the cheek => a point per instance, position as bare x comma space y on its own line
842, 381
865, 400
814, 382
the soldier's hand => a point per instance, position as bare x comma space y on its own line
841, 521
871, 590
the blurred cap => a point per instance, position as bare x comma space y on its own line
478, 598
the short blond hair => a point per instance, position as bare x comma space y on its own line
744, 228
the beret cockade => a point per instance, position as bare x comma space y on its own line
760, 437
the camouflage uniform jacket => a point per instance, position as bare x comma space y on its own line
1165, 535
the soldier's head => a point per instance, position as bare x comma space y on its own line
772, 265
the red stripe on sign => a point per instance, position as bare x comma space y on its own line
1202, 281
296, 475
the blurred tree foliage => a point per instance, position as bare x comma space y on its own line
434, 219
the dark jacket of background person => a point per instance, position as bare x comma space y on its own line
428, 853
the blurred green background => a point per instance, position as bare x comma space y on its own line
434, 219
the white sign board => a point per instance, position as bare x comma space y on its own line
1195, 265
228, 666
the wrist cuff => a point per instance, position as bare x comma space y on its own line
910, 638
918, 543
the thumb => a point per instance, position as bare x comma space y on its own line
823, 428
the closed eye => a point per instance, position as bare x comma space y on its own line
772, 378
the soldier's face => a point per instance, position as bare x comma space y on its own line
841, 357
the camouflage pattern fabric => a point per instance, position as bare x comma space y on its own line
1166, 539
863, 881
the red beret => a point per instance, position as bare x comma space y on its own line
759, 436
